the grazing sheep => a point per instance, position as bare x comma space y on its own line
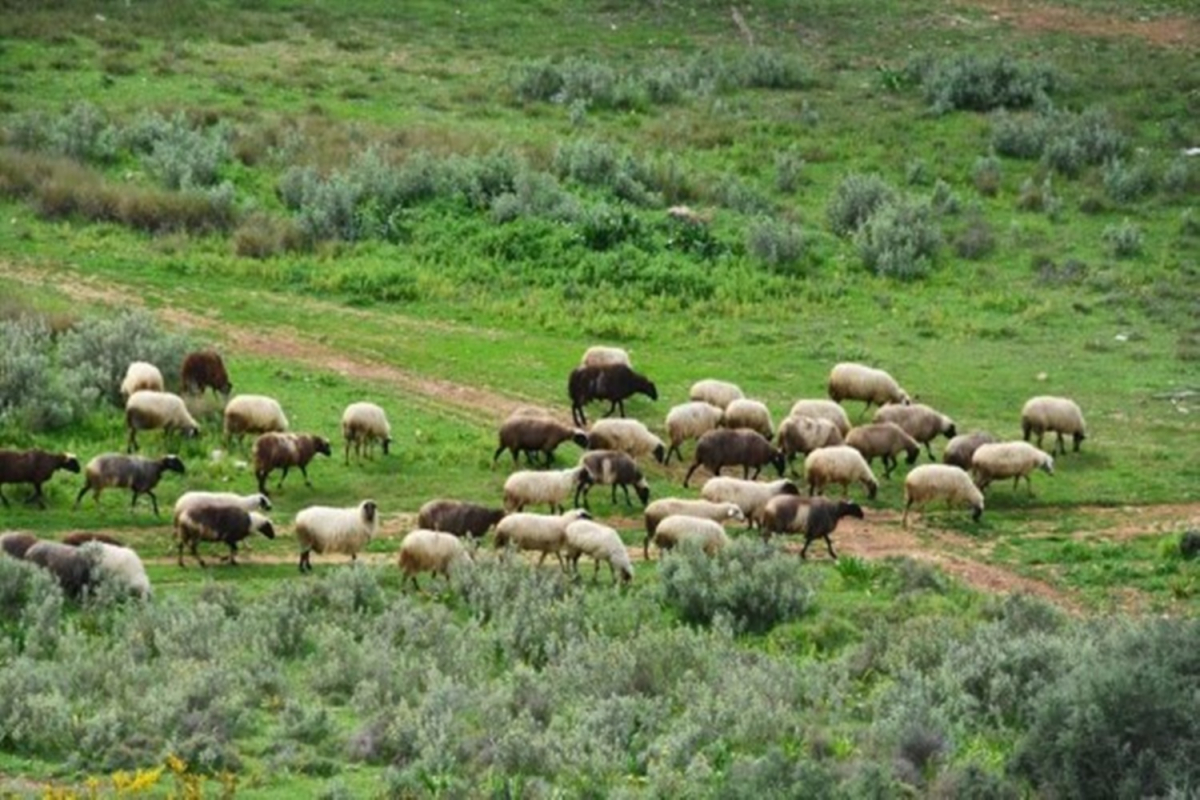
801, 435
849, 381
15, 544
840, 464
930, 482
961, 448
919, 421
659, 510
283, 451
679, 528
33, 466
1058, 414
218, 523
364, 424
690, 421
612, 468
822, 409
600, 356
121, 565
530, 434
601, 543
430, 551
203, 370
737, 447
74, 569
253, 413
458, 517
612, 383
249, 502
141, 375
815, 517
139, 474
752, 414
628, 436
715, 393
322, 529
80, 538
542, 533
750, 496
528, 487
147, 411
1014, 460
883, 440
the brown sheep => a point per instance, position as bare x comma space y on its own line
919, 421
961, 448
815, 517
803, 434
204, 370
731, 447
458, 517
283, 451
883, 439
612, 468
614, 383
33, 466
531, 435
139, 474
80, 538
228, 524
16, 544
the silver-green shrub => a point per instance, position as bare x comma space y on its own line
900, 240
856, 197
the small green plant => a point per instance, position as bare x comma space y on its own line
1124, 240
778, 245
1127, 182
855, 199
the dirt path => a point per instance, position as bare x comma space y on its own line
1163, 30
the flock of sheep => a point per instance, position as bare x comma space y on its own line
729, 430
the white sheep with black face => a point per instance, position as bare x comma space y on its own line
538, 533
551, 487
363, 425
688, 421
715, 392
842, 465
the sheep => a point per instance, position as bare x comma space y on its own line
724, 447
80, 538
458, 517
752, 414
815, 517
822, 409
364, 424
838, 464
715, 393
600, 356
218, 523
659, 510
253, 413
527, 487
941, 482
286, 450
322, 529
679, 528
1058, 414
141, 375
919, 421
750, 496
121, 565
849, 381
139, 474
627, 435
202, 370
15, 544
690, 421
542, 533
430, 551
885, 440
601, 543
33, 466
530, 434
147, 411
75, 570
961, 448
249, 502
613, 383
802, 434
612, 468
1014, 460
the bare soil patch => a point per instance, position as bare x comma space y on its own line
1166, 30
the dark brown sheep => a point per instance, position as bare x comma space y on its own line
961, 448
919, 421
74, 569
458, 517
15, 544
611, 468
219, 523
737, 447
139, 474
80, 538
815, 517
203, 370
531, 435
283, 451
885, 440
614, 383
33, 466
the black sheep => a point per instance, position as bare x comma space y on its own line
815, 517
204, 370
531, 435
613, 382
735, 447
458, 517
219, 523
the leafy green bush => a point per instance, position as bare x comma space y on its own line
603, 226
899, 240
1127, 182
856, 197
1124, 240
177, 153
778, 245
974, 83
33, 395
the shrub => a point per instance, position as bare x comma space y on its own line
1124, 240
972, 83
603, 227
596, 163
855, 199
943, 200
179, 154
1020, 135
986, 174
900, 240
539, 80
778, 245
262, 235
1126, 183
83, 133
33, 396
976, 239
789, 167
1178, 179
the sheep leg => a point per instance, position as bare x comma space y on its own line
153, 501
305, 562
78, 497
904, 519
262, 482
281, 477
232, 554
929, 450
889, 464
1060, 446
4, 499
829, 544
195, 552
596, 571
688, 477
37, 495
674, 448
131, 444
804, 550
577, 415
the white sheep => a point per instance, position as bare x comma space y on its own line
715, 392
541, 533
659, 510
147, 410
750, 496
840, 464
322, 529
141, 375
746, 413
122, 565
930, 482
679, 528
1014, 460
253, 413
848, 381
690, 421
628, 436
364, 424
249, 502
822, 409
601, 543
1058, 414
431, 551
552, 487
601, 356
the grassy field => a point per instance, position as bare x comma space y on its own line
438, 208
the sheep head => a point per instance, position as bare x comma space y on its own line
70, 462
173, 463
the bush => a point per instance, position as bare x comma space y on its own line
1065, 141
84, 134
263, 235
1124, 240
33, 396
971, 83
1126, 183
595, 163
778, 245
900, 240
976, 239
855, 199
986, 174
1178, 179
178, 154
789, 168
1189, 544
1020, 135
